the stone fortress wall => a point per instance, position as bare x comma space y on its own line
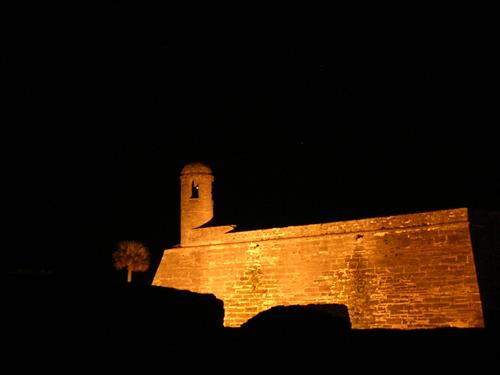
412, 271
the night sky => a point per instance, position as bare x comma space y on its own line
305, 115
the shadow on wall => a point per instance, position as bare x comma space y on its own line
298, 325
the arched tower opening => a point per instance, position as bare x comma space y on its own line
197, 206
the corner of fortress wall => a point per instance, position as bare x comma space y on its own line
407, 271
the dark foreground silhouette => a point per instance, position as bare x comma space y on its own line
290, 327
50, 314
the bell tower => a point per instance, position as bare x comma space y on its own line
197, 206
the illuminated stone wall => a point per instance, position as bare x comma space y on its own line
406, 271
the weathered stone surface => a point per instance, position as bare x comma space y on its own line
407, 271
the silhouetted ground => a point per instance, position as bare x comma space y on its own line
289, 327
53, 313
303, 330
58, 317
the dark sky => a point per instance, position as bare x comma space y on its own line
304, 114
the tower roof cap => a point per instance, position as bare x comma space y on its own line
196, 168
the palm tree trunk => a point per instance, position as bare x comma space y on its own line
129, 275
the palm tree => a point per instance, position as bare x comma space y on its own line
132, 255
